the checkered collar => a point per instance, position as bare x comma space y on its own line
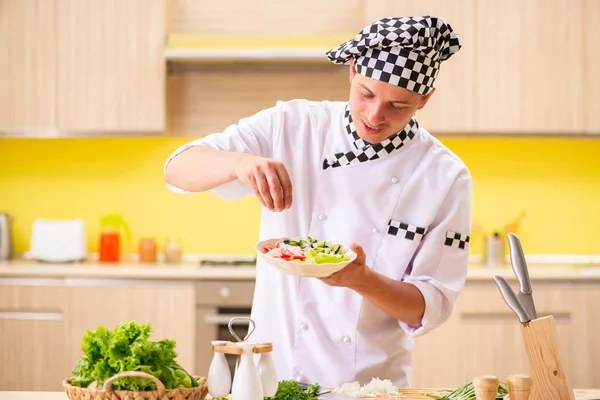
365, 151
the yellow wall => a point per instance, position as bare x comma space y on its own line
556, 181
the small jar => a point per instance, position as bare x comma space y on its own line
147, 250
172, 251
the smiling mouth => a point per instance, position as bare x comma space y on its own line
371, 130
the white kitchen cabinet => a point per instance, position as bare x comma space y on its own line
33, 342
483, 336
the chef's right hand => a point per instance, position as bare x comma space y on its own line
268, 179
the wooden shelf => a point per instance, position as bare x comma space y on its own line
182, 47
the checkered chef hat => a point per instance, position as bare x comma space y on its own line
405, 52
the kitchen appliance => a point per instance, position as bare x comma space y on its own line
58, 240
6, 240
217, 303
493, 255
549, 380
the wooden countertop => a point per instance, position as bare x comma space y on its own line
580, 394
193, 271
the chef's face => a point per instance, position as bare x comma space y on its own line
379, 109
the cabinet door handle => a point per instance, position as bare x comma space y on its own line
219, 319
31, 281
508, 316
225, 292
32, 315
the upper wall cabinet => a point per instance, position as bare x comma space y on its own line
111, 67
27, 65
269, 17
529, 69
82, 67
526, 67
591, 57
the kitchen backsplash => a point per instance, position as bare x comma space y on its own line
556, 181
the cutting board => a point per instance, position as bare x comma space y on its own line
421, 394
413, 394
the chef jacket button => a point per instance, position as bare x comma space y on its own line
375, 230
394, 179
346, 339
304, 326
322, 217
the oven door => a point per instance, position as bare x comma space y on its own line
218, 303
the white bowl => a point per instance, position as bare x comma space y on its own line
304, 269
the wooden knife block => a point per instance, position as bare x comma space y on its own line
547, 372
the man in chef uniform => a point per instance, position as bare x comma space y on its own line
362, 173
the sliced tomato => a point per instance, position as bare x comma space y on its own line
267, 247
286, 254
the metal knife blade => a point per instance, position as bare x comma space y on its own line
519, 265
511, 299
335, 396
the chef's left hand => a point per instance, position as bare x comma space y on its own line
353, 273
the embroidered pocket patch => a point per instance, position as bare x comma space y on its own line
407, 231
458, 239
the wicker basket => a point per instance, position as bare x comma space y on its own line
161, 393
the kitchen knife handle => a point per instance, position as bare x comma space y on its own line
511, 299
518, 262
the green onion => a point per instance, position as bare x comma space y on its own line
467, 392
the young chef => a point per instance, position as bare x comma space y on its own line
361, 172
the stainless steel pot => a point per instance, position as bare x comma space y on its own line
6, 240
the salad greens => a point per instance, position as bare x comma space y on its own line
128, 348
319, 251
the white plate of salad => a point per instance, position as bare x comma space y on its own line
306, 256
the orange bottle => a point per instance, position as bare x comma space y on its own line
147, 250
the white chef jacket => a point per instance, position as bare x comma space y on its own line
331, 335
